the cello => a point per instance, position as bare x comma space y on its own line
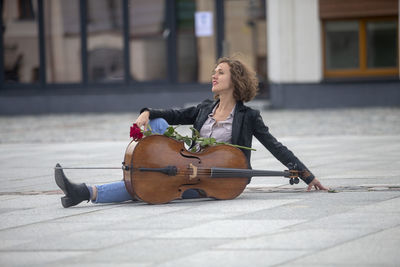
158, 169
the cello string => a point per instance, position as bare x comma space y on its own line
236, 171
87, 168
208, 175
226, 173
204, 172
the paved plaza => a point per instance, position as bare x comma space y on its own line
355, 152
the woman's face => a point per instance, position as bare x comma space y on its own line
221, 79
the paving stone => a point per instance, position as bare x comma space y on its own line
34, 258
321, 205
156, 251
354, 220
236, 258
237, 206
99, 264
230, 229
391, 206
310, 239
88, 239
39, 208
356, 151
377, 249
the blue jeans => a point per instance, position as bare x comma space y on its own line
116, 191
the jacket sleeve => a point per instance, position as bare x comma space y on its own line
281, 152
185, 116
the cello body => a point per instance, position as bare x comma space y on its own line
159, 169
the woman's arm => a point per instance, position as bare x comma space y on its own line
280, 152
184, 116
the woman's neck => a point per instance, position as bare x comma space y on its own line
226, 103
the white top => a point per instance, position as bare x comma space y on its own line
220, 130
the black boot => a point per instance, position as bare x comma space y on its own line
74, 193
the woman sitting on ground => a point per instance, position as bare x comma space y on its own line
225, 118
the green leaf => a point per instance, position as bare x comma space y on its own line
205, 142
188, 142
195, 133
147, 133
332, 191
170, 131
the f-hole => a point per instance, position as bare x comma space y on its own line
189, 156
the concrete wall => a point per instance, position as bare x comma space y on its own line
294, 41
335, 94
132, 99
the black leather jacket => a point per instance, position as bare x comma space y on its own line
246, 123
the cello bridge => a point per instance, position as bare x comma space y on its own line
194, 171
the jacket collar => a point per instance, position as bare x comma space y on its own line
237, 121
203, 117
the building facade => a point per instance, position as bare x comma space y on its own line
118, 55
333, 53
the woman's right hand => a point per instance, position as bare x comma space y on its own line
143, 119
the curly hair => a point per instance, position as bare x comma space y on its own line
243, 79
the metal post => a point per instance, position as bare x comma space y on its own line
2, 28
42, 45
126, 29
220, 20
171, 39
83, 26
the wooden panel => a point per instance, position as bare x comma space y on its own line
337, 9
391, 72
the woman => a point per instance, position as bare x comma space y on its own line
225, 118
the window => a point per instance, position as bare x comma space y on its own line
20, 42
148, 40
25, 9
360, 47
105, 41
63, 43
246, 34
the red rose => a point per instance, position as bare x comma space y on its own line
136, 133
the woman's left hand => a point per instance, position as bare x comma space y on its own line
317, 184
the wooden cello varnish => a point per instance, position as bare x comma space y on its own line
159, 169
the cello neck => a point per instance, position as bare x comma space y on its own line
245, 173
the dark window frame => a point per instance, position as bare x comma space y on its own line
128, 83
363, 70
